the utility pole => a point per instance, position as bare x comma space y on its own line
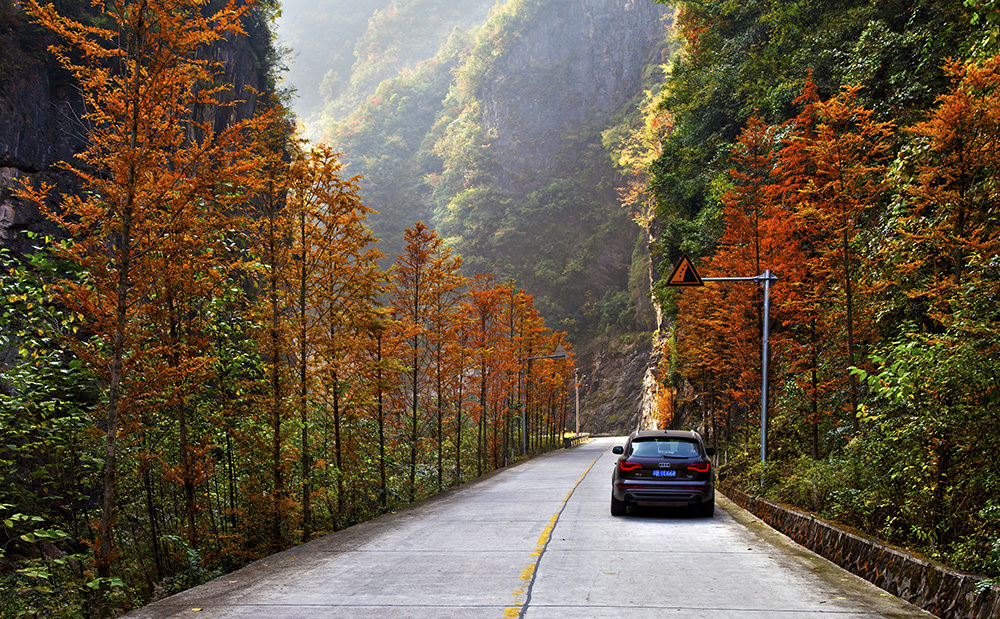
576, 383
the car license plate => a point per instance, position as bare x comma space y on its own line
658, 473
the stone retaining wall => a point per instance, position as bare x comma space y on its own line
937, 589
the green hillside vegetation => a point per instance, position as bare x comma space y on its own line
892, 426
549, 237
398, 38
386, 142
427, 150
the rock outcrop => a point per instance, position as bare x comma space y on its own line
615, 389
41, 124
573, 64
43, 114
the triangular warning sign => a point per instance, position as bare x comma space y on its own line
684, 274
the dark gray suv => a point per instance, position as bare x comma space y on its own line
664, 467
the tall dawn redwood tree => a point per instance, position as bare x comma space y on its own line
410, 301
850, 153
150, 169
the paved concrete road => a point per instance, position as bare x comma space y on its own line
538, 541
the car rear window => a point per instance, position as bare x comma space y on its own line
671, 447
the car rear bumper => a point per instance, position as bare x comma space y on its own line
664, 493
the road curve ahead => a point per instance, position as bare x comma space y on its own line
537, 540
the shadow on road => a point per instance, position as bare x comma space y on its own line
663, 513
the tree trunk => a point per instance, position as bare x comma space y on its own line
307, 523
383, 490
338, 449
850, 334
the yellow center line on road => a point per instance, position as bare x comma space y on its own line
522, 595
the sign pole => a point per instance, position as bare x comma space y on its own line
765, 356
684, 274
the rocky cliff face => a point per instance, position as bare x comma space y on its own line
617, 385
574, 64
41, 122
42, 114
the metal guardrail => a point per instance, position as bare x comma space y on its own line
573, 441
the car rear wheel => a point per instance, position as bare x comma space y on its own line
706, 509
618, 508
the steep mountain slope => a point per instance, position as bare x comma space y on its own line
497, 142
320, 40
341, 50
527, 188
558, 69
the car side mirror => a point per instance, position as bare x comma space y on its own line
618, 450
710, 451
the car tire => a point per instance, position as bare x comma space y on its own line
706, 509
618, 508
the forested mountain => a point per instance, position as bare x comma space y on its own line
319, 41
340, 51
495, 139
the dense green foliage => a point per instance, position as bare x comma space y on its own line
386, 141
917, 464
46, 451
319, 41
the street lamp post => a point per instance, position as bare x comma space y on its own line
576, 384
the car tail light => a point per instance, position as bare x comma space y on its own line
629, 466
701, 467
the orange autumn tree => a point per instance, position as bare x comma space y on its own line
720, 325
305, 240
149, 170
707, 363
806, 324
500, 423
381, 366
494, 326
850, 156
270, 249
422, 273
760, 235
445, 292
519, 327
342, 302
481, 308
533, 338
458, 382
744, 251
949, 239
554, 377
